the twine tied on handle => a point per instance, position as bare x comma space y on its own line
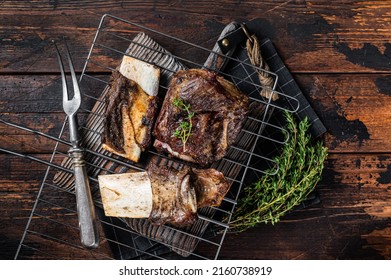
256, 59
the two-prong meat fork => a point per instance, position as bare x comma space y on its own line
85, 208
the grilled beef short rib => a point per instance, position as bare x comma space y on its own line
129, 118
210, 186
219, 108
173, 197
178, 194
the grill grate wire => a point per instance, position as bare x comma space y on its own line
55, 206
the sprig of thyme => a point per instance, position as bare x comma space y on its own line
183, 131
300, 167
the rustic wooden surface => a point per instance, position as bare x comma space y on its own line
338, 51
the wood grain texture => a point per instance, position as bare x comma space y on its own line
351, 222
339, 53
312, 37
354, 108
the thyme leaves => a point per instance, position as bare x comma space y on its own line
300, 167
183, 131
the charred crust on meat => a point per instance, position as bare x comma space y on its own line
210, 186
219, 108
128, 118
177, 194
173, 197
112, 122
145, 121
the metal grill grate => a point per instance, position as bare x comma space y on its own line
247, 160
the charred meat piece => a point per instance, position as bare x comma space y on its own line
162, 194
128, 119
217, 110
210, 186
173, 197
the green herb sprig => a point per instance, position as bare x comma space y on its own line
300, 167
183, 131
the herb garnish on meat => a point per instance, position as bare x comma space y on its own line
183, 131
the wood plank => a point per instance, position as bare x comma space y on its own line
312, 37
339, 53
351, 222
42, 94
19, 187
18, 140
354, 108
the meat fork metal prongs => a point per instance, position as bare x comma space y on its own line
89, 233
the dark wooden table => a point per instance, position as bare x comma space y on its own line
338, 51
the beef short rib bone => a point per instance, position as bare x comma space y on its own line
126, 194
162, 194
218, 111
131, 108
